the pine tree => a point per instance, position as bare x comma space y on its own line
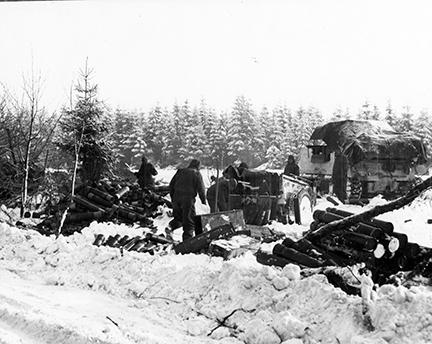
423, 128
123, 140
365, 112
241, 131
195, 137
273, 157
168, 132
405, 123
176, 139
207, 121
262, 138
390, 116
376, 114
219, 141
184, 131
156, 126
88, 124
138, 139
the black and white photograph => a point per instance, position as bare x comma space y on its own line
202, 172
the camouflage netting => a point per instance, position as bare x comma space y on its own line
367, 140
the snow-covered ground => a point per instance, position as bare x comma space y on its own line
69, 291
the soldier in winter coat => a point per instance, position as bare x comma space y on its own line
225, 185
340, 176
184, 186
291, 167
145, 174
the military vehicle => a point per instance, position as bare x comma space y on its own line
385, 161
264, 196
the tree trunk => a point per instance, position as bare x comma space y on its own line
27, 163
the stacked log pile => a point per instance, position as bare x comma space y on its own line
121, 202
373, 243
341, 238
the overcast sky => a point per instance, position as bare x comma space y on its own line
322, 53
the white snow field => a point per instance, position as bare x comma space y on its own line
69, 291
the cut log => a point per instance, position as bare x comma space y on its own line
88, 216
99, 240
123, 241
371, 231
403, 241
86, 204
99, 200
203, 240
112, 240
139, 245
326, 217
296, 256
379, 252
391, 244
412, 250
350, 253
159, 239
360, 241
100, 193
306, 247
271, 259
386, 227
375, 211
131, 243
123, 191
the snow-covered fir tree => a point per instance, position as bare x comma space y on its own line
138, 135
87, 129
389, 116
262, 139
241, 131
423, 128
365, 112
124, 139
273, 157
405, 122
376, 114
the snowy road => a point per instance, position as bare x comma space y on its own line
34, 313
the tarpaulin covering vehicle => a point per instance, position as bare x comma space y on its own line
384, 160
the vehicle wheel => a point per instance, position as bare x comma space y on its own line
304, 211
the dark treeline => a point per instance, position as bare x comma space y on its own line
170, 136
92, 141
89, 138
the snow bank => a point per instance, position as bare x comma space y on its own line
47, 284
268, 305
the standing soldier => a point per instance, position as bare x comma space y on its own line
225, 185
291, 167
340, 176
184, 187
145, 174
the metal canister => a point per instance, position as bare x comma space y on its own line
99, 240
139, 245
131, 243
123, 241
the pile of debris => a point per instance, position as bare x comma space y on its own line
222, 234
374, 243
149, 243
118, 202
339, 238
